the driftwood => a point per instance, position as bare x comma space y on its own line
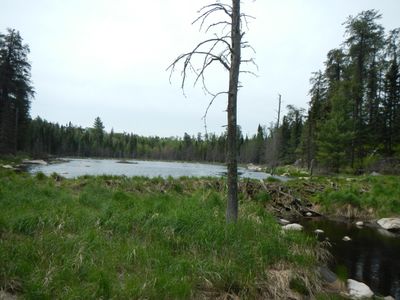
283, 201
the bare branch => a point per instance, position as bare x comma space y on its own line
245, 17
249, 72
226, 8
247, 45
250, 61
190, 54
226, 23
208, 10
208, 107
208, 61
195, 50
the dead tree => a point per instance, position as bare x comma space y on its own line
224, 49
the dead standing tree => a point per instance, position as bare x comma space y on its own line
224, 49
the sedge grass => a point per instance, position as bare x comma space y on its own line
133, 238
364, 196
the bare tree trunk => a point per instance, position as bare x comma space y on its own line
16, 130
279, 110
224, 49
232, 202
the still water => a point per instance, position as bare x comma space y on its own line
372, 256
78, 167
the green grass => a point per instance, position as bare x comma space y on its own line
377, 196
128, 238
363, 196
12, 159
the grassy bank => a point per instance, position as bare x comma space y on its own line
352, 197
117, 237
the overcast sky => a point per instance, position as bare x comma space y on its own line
108, 58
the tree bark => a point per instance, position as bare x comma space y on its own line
232, 201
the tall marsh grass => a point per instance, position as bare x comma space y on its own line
129, 238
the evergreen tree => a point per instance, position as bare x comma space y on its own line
364, 41
259, 145
335, 133
98, 129
391, 102
16, 91
319, 108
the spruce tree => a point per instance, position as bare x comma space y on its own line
364, 40
16, 91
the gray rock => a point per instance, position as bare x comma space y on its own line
293, 226
387, 233
389, 223
360, 223
34, 162
346, 238
253, 167
318, 231
388, 298
358, 290
309, 214
327, 275
283, 222
375, 174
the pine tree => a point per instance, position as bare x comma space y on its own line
364, 41
16, 91
391, 102
335, 133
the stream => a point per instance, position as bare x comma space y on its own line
372, 256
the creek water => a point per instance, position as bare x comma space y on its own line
372, 256
71, 168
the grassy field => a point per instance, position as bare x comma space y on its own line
136, 238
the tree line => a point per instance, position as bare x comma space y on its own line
45, 138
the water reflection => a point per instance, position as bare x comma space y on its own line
370, 256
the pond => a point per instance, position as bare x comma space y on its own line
71, 168
372, 256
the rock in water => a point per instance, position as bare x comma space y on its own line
358, 290
293, 226
327, 275
331, 280
387, 233
360, 223
318, 231
389, 223
34, 162
346, 238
